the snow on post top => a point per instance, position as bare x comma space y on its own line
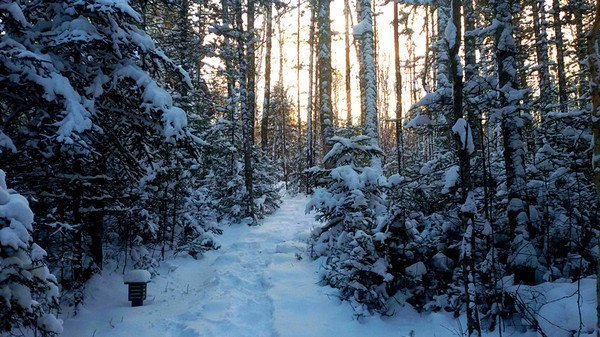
137, 276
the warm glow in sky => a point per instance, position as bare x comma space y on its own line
385, 51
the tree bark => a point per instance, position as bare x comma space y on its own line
471, 72
581, 46
367, 60
325, 76
249, 122
230, 74
541, 48
511, 121
309, 120
398, 89
443, 78
246, 82
560, 57
264, 129
463, 153
298, 67
457, 97
594, 63
348, 69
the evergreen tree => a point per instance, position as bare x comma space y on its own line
353, 241
28, 291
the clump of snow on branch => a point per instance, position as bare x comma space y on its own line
463, 130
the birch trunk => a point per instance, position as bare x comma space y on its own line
348, 69
264, 129
367, 59
398, 90
325, 76
309, 120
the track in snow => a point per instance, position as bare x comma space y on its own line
236, 301
254, 286
226, 293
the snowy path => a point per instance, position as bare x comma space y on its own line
253, 286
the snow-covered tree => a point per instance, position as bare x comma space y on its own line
350, 202
28, 291
84, 92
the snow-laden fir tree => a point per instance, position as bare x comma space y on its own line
28, 291
84, 91
349, 200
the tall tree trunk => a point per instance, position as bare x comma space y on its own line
284, 117
454, 37
398, 89
541, 48
454, 25
298, 67
375, 38
309, 120
249, 142
511, 121
581, 46
361, 68
325, 76
594, 63
230, 74
246, 96
443, 84
348, 69
560, 56
264, 129
367, 59
281, 45
471, 72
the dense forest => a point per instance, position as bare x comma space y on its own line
450, 149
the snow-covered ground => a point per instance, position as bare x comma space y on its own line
260, 283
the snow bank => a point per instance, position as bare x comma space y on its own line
562, 309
